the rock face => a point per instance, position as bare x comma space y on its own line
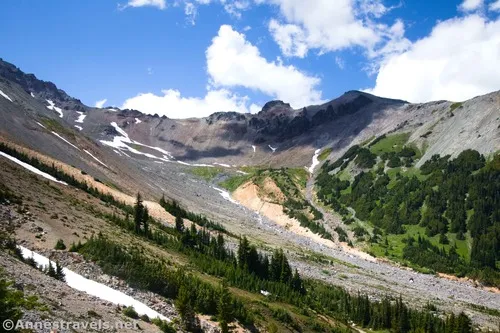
230, 137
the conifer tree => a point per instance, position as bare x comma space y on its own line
138, 213
145, 220
179, 224
224, 309
59, 274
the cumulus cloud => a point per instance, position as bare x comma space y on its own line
457, 61
327, 25
470, 5
173, 105
160, 4
100, 103
232, 61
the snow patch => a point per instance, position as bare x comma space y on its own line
196, 165
69, 143
53, 107
99, 290
254, 148
272, 148
138, 121
226, 195
32, 95
81, 117
5, 95
120, 142
95, 158
31, 168
79, 127
41, 125
242, 172
315, 161
111, 109
222, 165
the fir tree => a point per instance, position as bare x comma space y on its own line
224, 309
138, 213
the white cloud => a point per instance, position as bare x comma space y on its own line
173, 105
495, 6
235, 7
234, 62
470, 5
100, 104
160, 4
457, 61
191, 11
328, 25
340, 62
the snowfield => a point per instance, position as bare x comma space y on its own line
138, 121
120, 142
315, 161
31, 168
5, 95
78, 282
81, 117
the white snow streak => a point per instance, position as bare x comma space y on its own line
138, 121
31, 168
222, 165
95, 158
69, 143
120, 142
32, 95
81, 117
273, 149
242, 172
5, 95
79, 127
99, 290
315, 161
226, 195
254, 148
53, 107
41, 125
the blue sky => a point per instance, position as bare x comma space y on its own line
186, 58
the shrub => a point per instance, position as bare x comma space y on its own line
60, 245
130, 312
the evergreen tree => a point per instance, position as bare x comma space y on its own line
224, 307
138, 213
51, 270
59, 274
145, 220
184, 305
179, 224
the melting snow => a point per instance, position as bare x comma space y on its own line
111, 109
254, 148
53, 107
32, 95
273, 149
138, 121
223, 165
226, 195
95, 158
120, 142
5, 95
242, 172
79, 127
31, 168
99, 290
315, 161
41, 125
81, 117
69, 143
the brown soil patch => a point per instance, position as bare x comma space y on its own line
248, 195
